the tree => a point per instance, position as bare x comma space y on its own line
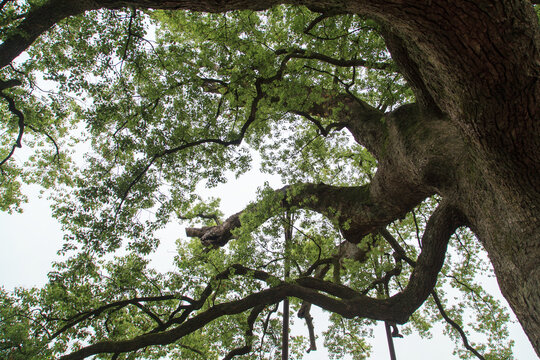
440, 99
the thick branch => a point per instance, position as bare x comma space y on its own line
305, 54
401, 55
356, 209
9, 84
363, 121
42, 18
305, 313
37, 22
346, 250
402, 254
324, 130
249, 334
216, 236
439, 228
343, 300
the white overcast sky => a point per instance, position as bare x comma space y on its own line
29, 242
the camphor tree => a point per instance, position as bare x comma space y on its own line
400, 128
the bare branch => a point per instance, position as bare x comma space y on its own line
305, 313
356, 209
216, 236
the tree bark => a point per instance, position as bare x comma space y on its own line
479, 62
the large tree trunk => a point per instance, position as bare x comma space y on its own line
479, 63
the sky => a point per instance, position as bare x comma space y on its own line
29, 241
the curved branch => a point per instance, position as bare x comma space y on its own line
249, 334
399, 250
455, 326
346, 250
325, 15
402, 254
306, 315
366, 123
439, 228
117, 304
235, 141
53, 141
323, 130
311, 55
42, 18
148, 312
342, 300
18, 142
36, 22
401, 55
216, 236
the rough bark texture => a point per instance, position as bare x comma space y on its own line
473, 137
479, 62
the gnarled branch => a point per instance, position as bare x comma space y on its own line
356, 209
340, 299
